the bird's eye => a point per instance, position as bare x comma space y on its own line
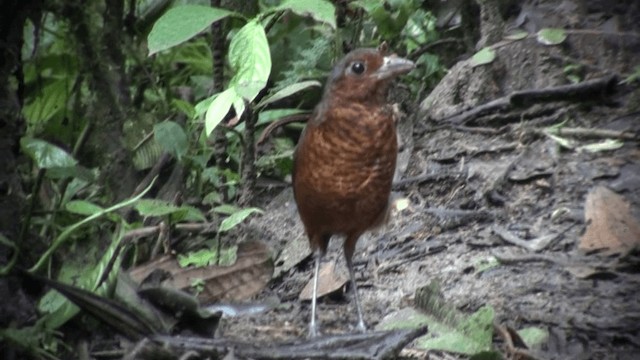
357, 67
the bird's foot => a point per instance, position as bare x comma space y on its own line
313, 331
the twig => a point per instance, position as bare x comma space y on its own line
478, 130
591, 133
202, 228
371, 345
522, 98
512, 259
414, 55
510, 237
513, 351
281, 122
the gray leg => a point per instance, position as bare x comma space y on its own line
361, 326
313, 329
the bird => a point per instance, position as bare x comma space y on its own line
345, 159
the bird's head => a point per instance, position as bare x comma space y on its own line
364, 75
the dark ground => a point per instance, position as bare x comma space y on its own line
485, 180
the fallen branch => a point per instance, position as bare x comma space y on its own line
591, 133
281, 122
371, 345
574, 92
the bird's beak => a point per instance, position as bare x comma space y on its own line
393, 66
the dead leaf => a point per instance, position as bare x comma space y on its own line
328, 282
611, 225
246, 277
296, 250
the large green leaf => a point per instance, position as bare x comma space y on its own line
471, 336
550, 36
71, 229
46, 155
83, 207
218, 109
155, 207
236, 218
181, 24
57, 307
484, 56
250, 60
320, 10
290, 90
172, 138
51, 100
447, 331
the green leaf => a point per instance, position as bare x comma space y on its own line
46, 155
634, 76
268, 116
82, 207
250, 60
200, 258
50, 101
69, 230
564, 142
218, 109
181, 24
236, 218
533, 336
226, 209
207, 257
471, 336
485, 264
289, 90
482, 57
517, 35
58, 308
550, 36
185, 107
188, 213
239, 106
147, 155
605, 145
212, 198
203, 105
156, 207
320, 10
172, 138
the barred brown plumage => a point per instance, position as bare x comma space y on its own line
346, 157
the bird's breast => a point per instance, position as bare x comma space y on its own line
344, 167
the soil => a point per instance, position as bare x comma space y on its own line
473, 187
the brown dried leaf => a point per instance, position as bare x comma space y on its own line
611, 225
246, 277
328, 282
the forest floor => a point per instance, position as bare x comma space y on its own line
587, 301
497, 210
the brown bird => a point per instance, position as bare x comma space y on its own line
346, 158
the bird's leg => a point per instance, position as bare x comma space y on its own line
361, 326
313, 328
349, 249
